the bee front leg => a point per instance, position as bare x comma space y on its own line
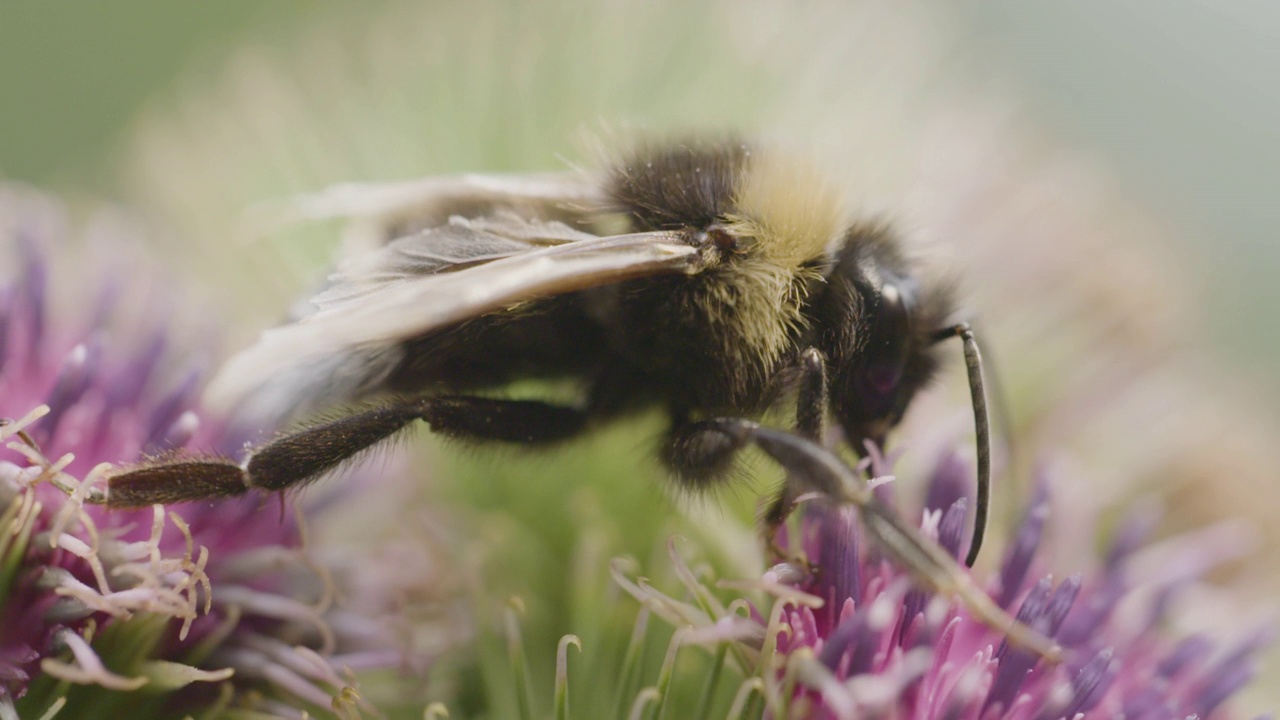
811, 413
700, 454
297, 458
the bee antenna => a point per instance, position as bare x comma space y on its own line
1001, 423
982, 428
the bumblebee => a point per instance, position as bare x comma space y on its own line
711, 279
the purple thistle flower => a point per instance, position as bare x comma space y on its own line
859, 639
179, 600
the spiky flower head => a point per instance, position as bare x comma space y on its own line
857, 637
130, 613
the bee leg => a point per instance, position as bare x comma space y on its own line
811, 411
296, 458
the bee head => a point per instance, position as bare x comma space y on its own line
875, 323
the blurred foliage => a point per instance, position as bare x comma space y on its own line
74, 75
548, 526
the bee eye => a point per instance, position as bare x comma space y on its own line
883, 379
887, 346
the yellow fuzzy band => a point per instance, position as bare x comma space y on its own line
788, 207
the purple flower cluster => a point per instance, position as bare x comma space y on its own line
198, 595
874, 628
941, 663
859, 639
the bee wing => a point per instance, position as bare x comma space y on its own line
381, 199
379, 212
421, 283
470, 267
462, 243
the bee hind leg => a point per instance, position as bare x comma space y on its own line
299, 457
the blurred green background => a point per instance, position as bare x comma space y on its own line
74, 75
1175, 100
1178, 100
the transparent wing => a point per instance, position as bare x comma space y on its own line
421, 283
461, 243
390, 198
381, 211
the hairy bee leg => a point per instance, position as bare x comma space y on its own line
811, 412
982, 429
931, 566
812, 400
297, 458
175, 481
308, 453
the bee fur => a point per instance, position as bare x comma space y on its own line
707, 278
